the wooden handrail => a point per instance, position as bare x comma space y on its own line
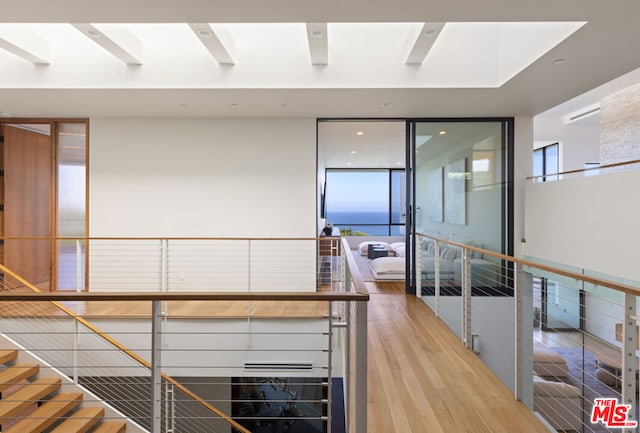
617, 164
151, 238
587, 279
116, 344
358, 282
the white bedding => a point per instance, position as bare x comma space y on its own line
388, 268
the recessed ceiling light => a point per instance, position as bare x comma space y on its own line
283, 105
93, 33
205, 33
398, 163
430, 32
387, 104
349, 163
317, 33
443, 132
234, 105
558, 61
359, 133
353, 152
183, 105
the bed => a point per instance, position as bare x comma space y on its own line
388, 268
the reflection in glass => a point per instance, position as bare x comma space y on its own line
71, 204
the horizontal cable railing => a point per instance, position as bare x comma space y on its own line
563, 340
591, 171
243, 347
176, 264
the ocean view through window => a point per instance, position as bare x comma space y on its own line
366, 202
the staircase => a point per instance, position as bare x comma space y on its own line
32, 404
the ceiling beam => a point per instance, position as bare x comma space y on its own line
118, 40
318, 43
425, 40
26, 44
211, 40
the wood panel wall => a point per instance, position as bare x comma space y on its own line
27, 193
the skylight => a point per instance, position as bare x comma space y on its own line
273, 55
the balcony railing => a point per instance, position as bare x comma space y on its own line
561, 339
592, 171
175, 264
259, 360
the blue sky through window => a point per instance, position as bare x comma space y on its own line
357, 191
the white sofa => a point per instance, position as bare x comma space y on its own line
559, 403
484, 273
548, 363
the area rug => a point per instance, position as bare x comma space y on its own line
582, 368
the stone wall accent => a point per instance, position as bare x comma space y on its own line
620, 126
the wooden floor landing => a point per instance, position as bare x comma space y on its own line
422, 380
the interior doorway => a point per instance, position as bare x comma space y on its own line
43, 199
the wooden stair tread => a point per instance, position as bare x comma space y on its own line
47, 414
81, 420
111, 427
8, 356
27, 395
16, 373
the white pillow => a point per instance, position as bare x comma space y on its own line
395, 245
448, 254
400, 251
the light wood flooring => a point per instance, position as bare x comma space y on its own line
422, 380
604, 352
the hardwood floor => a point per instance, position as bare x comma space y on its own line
421, 378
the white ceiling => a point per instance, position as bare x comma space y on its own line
83, 81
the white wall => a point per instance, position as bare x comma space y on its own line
492, 319
588, 222
202, 177
523, 167
579, 141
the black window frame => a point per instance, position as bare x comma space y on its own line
390, 224
545, 172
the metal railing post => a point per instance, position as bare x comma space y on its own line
164, 271
436, 270
523, 294
343, 270
329, 368
79, 266
629, 363
156, 370
347, 364
76, 325
467, 338
360, 379
169, 407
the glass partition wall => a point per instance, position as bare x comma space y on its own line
460, 195
455, 187
71, 205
